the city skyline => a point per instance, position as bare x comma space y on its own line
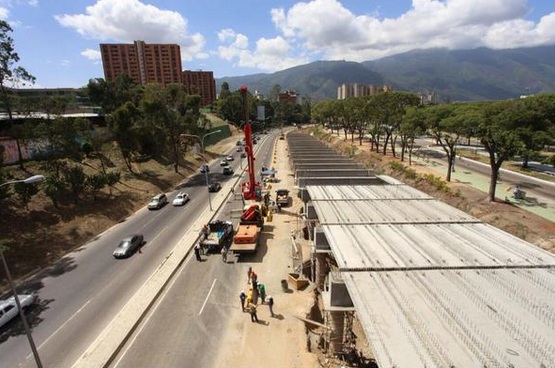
59, 42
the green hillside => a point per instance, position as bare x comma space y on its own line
454, 75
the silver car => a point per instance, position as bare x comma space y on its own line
158, 201
8, 307
128, 246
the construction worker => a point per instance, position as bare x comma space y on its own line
271, 305
243, 298
224, 254
252, 310
262, 292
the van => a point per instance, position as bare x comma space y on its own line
157, 202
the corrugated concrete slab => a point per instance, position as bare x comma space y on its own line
364, 192
465, 318
337, 172
331, 180
389, 211
429, 246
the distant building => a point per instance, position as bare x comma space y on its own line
359, 90
290, 96
144, 63
156, 63
428, 98
77, 99
200, 83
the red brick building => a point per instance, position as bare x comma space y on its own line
144, 63
200, 83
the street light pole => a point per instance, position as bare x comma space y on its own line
30, 180
202, 151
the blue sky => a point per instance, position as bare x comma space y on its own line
58, 40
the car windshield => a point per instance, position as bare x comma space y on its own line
124, 244
180, 196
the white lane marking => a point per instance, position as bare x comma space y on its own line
207, 296
159, 233
136, 334
63, 325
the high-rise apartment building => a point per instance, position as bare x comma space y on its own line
359, 90
144, 63
200, 83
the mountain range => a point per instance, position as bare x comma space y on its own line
452, 75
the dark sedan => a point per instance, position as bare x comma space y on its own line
214, 187
128, 246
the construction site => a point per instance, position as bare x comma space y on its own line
430, 285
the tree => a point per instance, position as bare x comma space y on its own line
52, 186
76, 179
111, 95
412, 125
96, 182
535, 115
445, 131
10, 75
122, 124
25, 192
496, 130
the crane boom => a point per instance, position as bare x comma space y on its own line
251, 189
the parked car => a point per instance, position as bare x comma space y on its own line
224, 162
180, 199
230, 158
158, 201
204, 168
128, 246
214, 187
243, 155
8, 307
228, 170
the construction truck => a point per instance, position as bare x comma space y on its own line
247, 236
282, 198
215, 235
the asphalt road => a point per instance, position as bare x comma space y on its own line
82, 293
187, 323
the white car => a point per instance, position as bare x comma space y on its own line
224, 162
180, 199
8, 307
230, 158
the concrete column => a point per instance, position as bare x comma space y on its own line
337, 324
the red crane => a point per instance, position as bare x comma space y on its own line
251, 189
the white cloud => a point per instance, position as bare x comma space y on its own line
327, 29
269, 54
91, 54
130, 20
4, 13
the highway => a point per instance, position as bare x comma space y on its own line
84, 291
187, 324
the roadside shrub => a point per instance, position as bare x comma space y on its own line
437, 182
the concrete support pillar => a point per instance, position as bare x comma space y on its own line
321, 270
337, 324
